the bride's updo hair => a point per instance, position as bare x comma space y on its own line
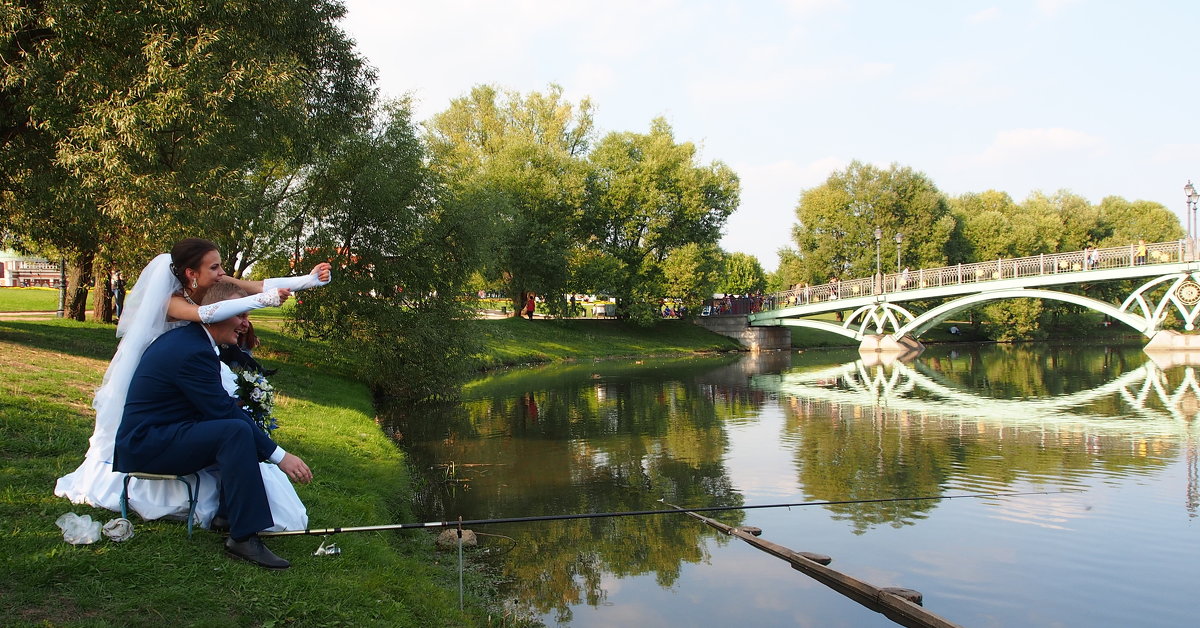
222, 292
188, 253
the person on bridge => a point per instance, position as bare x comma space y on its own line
1140, 257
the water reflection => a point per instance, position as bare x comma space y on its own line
618, 436
606, 437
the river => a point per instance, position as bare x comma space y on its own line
1106, 434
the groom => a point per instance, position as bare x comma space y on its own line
179, 419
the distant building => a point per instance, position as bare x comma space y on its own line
18, 271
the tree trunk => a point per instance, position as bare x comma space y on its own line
519, 304
102, 305
79, 277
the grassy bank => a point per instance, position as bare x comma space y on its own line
50, 369
520, 341
32, 299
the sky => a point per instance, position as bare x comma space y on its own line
1095, 97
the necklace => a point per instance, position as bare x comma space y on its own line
187, 297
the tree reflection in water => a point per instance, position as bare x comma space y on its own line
618, 436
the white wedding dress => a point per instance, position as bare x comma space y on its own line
96, 483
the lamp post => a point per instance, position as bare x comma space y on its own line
878, 276
1192, 198
899, 239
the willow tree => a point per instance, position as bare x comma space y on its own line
835, 234
516, 162
401, 258
133, 121
651, 195
742, 274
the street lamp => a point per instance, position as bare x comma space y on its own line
899, 239
878, 276
1192, 197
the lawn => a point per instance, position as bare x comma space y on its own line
50, 369
520, 341
31, 299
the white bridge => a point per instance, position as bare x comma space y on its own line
878, 321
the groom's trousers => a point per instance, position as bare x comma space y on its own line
228, 443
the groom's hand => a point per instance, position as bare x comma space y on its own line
295, 469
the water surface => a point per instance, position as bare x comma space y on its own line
1104, 422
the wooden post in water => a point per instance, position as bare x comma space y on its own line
899, 605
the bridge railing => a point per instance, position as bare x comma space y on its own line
980, 272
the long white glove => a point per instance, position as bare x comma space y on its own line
294, 283
221, 310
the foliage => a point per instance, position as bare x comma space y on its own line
836, 222
562, 217
790, 271
515, 163
400, 261
691, 272
742, 274
835, 234
992, 226
1015, 319
649, 197
127, 125
1124, 222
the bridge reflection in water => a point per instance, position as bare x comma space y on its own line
1149, 409
619, 435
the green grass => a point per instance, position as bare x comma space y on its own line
31, 299
511, 341
50, 370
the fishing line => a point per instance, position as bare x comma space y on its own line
640, 513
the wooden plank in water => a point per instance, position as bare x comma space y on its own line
893, 603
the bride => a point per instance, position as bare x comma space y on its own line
166, 296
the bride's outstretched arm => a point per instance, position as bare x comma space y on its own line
320, 275
180, 309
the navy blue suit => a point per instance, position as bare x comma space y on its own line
179, 419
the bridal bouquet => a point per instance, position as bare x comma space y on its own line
258, 398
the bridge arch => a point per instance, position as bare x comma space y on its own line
832, 328
925, 321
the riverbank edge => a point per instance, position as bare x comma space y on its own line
51, 368
520, 342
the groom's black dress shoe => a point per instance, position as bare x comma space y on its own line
219, 524
253, 550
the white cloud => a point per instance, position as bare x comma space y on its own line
810, 7
1019, 145
1054, 7
439, 50
1176, 153
591, 79
790, 83
986, 15
961, 83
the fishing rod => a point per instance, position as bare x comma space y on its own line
638, 513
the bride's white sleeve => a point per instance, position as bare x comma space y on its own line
302, 282
221, 310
